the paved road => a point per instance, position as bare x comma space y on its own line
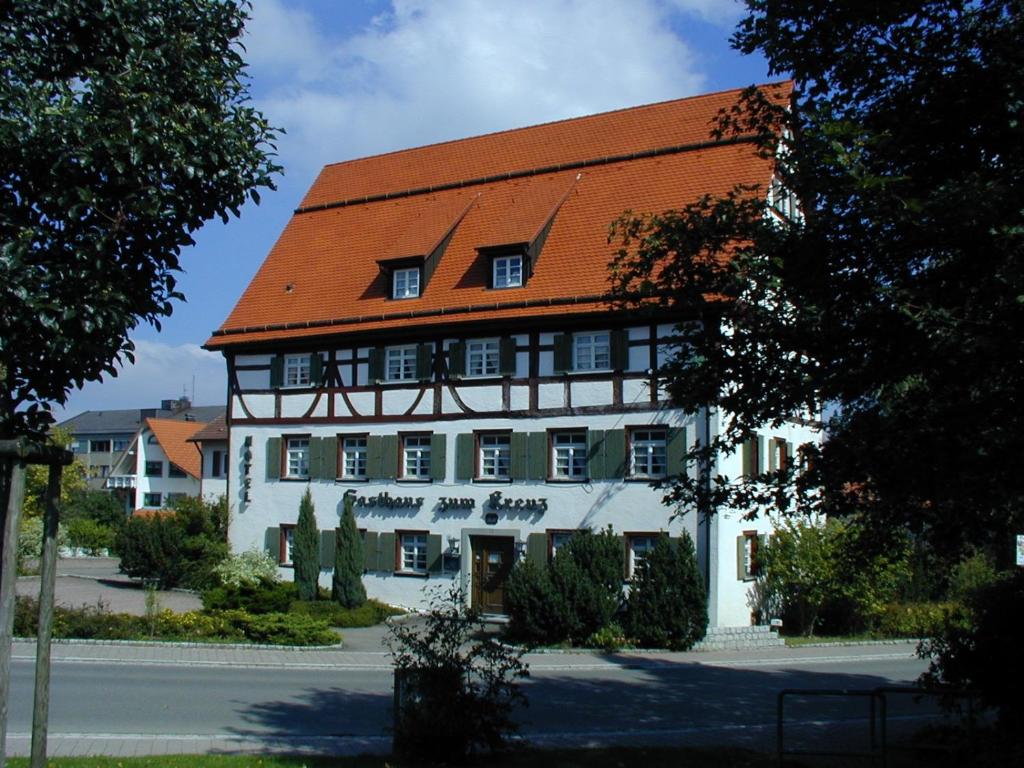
122, 700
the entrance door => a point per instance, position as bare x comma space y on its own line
493, 557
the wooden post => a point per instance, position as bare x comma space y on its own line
15, 471
47, 582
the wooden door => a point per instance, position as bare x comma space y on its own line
493, 557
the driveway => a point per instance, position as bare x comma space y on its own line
96, 581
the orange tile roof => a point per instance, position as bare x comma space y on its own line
173, 436
322, 277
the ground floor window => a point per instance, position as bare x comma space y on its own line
557, 539
748, 555
412, 551
638, 545
151, 499
287, 541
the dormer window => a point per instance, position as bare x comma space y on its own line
507, 271
405, 283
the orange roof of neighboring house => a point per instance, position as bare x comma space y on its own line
173, 436
572, 178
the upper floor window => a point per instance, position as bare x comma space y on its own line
173, 470
592, 351
405, 283
482, 357
154, 469
353, 457
647, 452
218, 464
100, 446
507, 271
297, 457
495, 456
401, 363
569, 455
120, 445
416, 457
296, 371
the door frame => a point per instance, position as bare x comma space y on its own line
466, 548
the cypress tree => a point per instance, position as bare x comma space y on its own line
347, 585
306, 549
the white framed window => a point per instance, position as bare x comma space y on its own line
219, 464
495, 456
556, 540
405, 283
416, 457
152, 499
401, 363
569, 455
647, 452
592, 351
296, 371
412, 551
286, 544
508, 271
482, 357
748, 555
296, 457
783, 200
353, 457
638, 546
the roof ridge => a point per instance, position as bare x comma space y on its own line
694, 96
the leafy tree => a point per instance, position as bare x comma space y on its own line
893, 295
72, 483
347, 583
306, 550
667, 606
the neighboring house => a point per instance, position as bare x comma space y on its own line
431, 336
212, 443
168, 466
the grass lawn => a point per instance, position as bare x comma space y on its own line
796, 642
580, 758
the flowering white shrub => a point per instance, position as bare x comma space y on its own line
250, 567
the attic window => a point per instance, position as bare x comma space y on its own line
507, 271
405, 283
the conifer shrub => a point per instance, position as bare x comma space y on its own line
306, 550
347, 583
264, 597
667, 607
536, 609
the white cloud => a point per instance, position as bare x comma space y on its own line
425, 71
160, 372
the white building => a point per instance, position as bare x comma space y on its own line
167, 465
431, 335
212, 443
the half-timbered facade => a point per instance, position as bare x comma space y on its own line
431, 336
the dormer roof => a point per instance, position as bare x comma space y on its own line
455, 201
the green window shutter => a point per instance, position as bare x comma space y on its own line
273, 458
507, 357
369, 551
389, 457
434, 559
538, 456
272, 542
328, 543
465, 456
620, 350
537, 549
675, 450
615, 453
277, 371
563, 353
520, 452
315, 458
747, 457
741, 572
753, 450
374, 457
761, 447
375, 372
424, 357
316, 369
438, 456
457, 360
386, 559
329, 458
595, 454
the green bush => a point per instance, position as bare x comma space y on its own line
150, 548
265, 597
536, 610
667, 607
370, 613
610, 637
87, 534
282, 628
915, 619
974, 572
99, 506
459, 685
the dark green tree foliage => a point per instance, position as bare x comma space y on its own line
667, 606
536, 610
150, 548
347, 583
124, 126
458, 685
306, 550
896, 296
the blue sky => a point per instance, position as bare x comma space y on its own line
350, 78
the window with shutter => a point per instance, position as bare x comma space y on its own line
563, 353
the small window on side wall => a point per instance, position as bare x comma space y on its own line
749, 555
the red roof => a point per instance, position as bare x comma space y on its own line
173, 436
323, 275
